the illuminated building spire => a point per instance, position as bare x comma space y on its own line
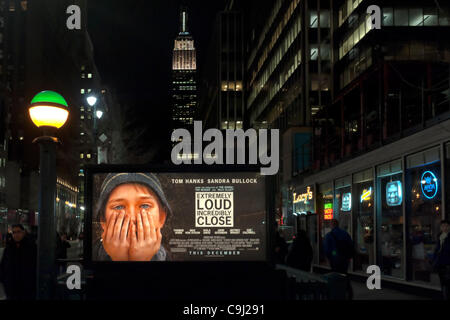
183, 21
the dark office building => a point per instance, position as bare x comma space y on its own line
222, 103
288, 80
184, 73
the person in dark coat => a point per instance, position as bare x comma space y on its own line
338, 248
281, 248
441, 259
18, 266
300, 255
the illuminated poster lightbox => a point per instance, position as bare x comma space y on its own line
394, 193
144, 216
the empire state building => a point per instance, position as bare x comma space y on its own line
184, 69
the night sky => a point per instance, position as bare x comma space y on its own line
133, 42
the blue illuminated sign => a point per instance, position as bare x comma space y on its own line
429, 184
346, 202
394, 194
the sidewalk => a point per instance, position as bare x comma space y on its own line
361, 292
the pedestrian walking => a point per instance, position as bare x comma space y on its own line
300, 254
339, 250
441, 258
18, 266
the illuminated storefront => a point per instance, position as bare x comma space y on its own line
424, 205
392, 209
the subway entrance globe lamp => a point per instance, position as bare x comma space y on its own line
49, 111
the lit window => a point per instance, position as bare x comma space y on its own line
24, 5
82, 108
82, 76
81, 133
81, 155
12, 6
82, 91
89, 90
89, 75
82, 68
88, 155
82, 117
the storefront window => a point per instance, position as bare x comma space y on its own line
343, 203
363, 203
447, 175
325, 213
424, 213
390, 219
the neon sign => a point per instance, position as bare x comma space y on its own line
366, 194
303, 197
394, 193
346, 201
429, 184
328, 212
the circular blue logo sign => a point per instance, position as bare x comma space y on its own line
429, 184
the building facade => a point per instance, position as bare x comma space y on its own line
380, 147
222, 93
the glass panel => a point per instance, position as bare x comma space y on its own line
430, 16
443, 18
423, 205
390, 221
325, 19
388, 17
401, 16
324, 204
313, 22
363, 196
415, 17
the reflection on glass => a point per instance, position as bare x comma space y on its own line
343, 205
390, 240
425, 215
364, 233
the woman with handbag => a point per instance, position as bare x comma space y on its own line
441, 259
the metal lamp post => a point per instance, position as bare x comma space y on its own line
48, 111
92, 101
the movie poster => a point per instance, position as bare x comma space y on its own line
179, 217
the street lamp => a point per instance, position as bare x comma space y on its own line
92, 100
49, 111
